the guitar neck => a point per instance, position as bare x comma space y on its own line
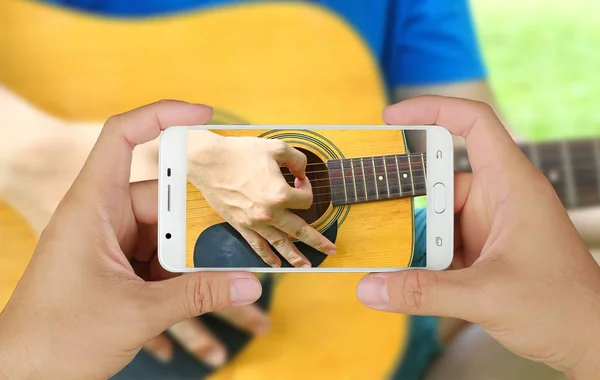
378, 178
573, 168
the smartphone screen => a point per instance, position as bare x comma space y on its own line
369, 191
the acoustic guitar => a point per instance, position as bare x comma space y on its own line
572, 166
362, 181
81, 67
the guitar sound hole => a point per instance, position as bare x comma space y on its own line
317, 173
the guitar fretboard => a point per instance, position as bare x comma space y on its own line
573, 168
367, 179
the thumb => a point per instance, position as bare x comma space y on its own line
190, 295
420, 292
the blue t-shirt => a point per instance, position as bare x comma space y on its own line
416, 42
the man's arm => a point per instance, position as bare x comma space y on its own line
479, 90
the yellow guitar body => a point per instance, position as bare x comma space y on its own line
271, 63
370, 235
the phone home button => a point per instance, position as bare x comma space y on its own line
439, 198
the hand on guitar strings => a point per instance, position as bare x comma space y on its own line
520, 269
241, 179
94, 293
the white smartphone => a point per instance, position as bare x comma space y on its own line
384, 206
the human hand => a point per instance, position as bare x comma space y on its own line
199, 341
94, 292
241, 179
45, 152
520, 269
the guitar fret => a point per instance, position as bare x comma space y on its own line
358, 172
354, 179
370, 185
398, 171
418, 175
344, 180
336, 182
403, 172
375, 178
362, 166
393, 176
387, 182
380, 172
412, 181
568, 169
585, 174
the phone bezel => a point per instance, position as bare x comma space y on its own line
172, 208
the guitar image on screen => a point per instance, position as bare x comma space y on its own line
363, 183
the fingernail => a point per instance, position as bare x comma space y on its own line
164, 356
373, 292
244, 291
331, 250
215, 357
305, 266
276, 265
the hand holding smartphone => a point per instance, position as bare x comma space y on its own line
328, 198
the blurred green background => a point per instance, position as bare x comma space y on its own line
543, 60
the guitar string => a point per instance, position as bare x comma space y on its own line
359, 183
357, 200
410, 193
413, 165
399, 155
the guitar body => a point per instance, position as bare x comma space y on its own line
278, 63
368, 235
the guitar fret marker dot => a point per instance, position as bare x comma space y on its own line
404, 175
553, 176
381, 178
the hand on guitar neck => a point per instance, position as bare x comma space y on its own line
517, 255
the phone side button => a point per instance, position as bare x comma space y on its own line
439, 198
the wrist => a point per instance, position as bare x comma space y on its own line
15, 361
202, 148
588, 365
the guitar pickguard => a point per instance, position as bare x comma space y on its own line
228, 249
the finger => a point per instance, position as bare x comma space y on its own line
282, 243
161, 348
250, 318
195, 338
299, 197
261, 247
421, 292
144, 201
109, 163
176, 299
462, 187
297, 227
290, 157
488, 142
